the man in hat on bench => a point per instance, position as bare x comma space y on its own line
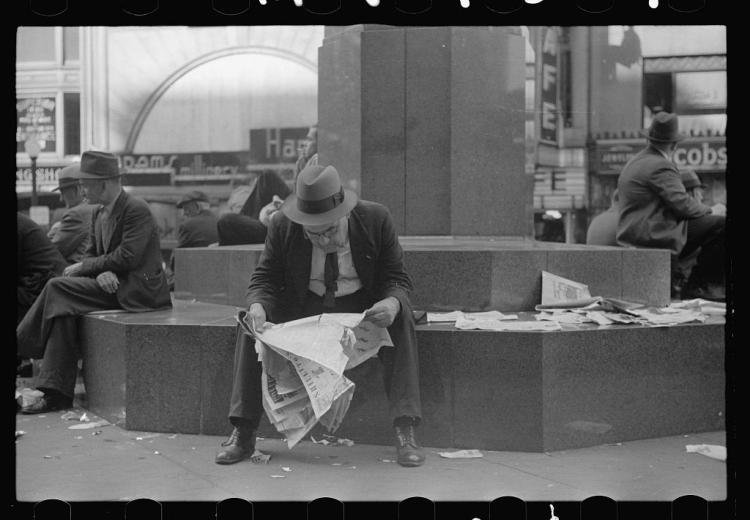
655, 211
327, 252
122, 269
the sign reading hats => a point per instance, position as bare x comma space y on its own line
320, 197
68, 177
98, 165
197, 196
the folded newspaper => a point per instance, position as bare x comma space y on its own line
304, 361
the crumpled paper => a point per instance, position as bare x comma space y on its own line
709, 450
461, 454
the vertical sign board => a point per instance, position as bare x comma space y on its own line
36, 115
549, 87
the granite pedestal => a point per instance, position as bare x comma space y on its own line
471, 274
170, 371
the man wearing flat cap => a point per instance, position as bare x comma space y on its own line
328, 252
199, 227
122, 269
655, 211
71, 233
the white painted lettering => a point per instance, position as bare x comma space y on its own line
549, 113
273, 142
549, 76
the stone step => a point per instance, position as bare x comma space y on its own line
473, 274
170, 371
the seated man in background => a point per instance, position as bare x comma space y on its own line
327, 251
602, 230
37, 261
247, 226
655, 211
199, 229
308, 152
122, 269
71, 233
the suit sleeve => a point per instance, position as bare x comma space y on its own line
668, 185
137, 228
70, 233
391, 279
268, 277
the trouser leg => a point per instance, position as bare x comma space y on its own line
401, 367
246, 402
706, 235
59, 366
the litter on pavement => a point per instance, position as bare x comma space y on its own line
461, 454
709, 450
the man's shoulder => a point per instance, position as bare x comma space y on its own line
369, 208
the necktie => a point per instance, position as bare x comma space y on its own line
330, 275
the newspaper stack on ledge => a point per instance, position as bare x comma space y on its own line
303, 368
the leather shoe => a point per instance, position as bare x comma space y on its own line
409, 453
48, 403
239, 446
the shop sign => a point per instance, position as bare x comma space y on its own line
549, 87
276, 145
207, 165
36, 116
705, 155
46, 177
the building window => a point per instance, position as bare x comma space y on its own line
71, 50
72, 115
679, 85
35, 44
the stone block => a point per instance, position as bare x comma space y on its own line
170, 371
464, 273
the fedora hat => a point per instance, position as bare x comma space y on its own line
691, 180
664, 129
68, 176
320, 198
190, 196
98, 165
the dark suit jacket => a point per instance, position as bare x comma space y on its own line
133, 253
653, 203
37, 261
281, 279
72, 236
197, 231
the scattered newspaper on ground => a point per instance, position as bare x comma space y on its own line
304, 360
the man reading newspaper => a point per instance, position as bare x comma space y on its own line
328, 252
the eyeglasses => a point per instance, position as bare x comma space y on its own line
325, 233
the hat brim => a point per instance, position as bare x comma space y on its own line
289, 208
678, 137
85, 175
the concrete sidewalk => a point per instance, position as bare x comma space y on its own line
109, 463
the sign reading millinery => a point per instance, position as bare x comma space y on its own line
36, 116
708, 154
549, 87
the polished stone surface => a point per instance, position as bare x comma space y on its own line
519, 391
408, 116
474, 273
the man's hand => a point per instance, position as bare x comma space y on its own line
108, 282
73, 269
383, 312
719, 209
269, 209
258, 317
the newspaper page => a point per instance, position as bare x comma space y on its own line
303, 366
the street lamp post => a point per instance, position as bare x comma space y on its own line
33, 149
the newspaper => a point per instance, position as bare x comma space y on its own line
304, 360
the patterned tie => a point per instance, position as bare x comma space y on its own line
330, 276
